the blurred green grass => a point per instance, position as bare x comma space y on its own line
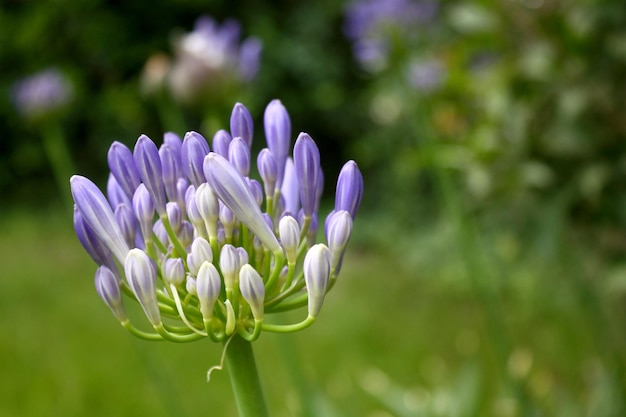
404, 333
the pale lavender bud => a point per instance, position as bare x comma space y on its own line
221, 142
148, 162
252, 290
278, 136
306, 158
239, 156
144, 210
338, 231
182, 185
192, 153
98, 215
94, 246
185, 234
190, 285
108, 289
192, 208
349, 189
200, 252
172, 170
268, 171
208, 286
290, 189
141, 276
208, 207
243, 256
317, 276
227, 219
257, 190
289, 231
174, 271
115, 194
174, 215
241, 123
159, 232
229, 265
127, 221
123, 168
231, 188
173, 141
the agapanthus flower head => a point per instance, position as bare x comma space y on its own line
187, 234
374, 25
212, 54
42, 93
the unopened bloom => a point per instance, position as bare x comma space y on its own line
190, 236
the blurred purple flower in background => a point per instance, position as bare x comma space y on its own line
371, 25
41, 93
210, 54
426, 74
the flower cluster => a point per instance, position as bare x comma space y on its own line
206, 249
374, 26
207, 56
41, 93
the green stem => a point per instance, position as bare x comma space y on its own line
244, 378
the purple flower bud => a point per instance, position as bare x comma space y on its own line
192, 154
252, 290
109, 290
349, 189
249, 56
239, 156
94, 246
338, 231
185, 234
115, 194
190, 285
208, 207
231, 188
174, 215
159, 232
148, 162
266, 165
227, 218
141, 276
181, 188
172, 170
123, 168
317, 276
174, 271
144, 210
290, 190
243, 256
306, 158
127, 221
241, 123
221, 142
289, 231
278, 135
173, 141
97, 214
256, 189
229, 265
200, 252
192, 209
208, 286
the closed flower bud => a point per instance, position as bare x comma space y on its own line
208, 206
109, 290
201, 250
306, 158
317, 276
94, 246
289, 190
268, 171
174, 215
141, 276
190, 285
221, 142
172, 170
277, 126
148, 162
192, 153
252, 290
289, 231
239, 156
115, 194
172, 140
98, 215
208, 286
229, 265
241, 124
144, 210
338, 231
122, 166
127, 221
174, 271
349, 189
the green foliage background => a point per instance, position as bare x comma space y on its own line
486, 275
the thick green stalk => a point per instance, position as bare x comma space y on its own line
244, 378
